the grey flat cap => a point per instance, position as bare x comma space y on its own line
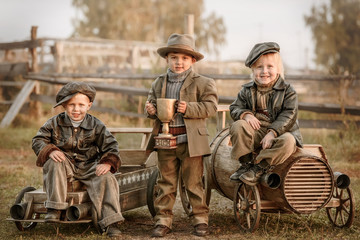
70, 89
260, 49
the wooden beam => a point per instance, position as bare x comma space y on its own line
214, 76
14, 69
18, 103
23, 44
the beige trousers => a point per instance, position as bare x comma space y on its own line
170, 163
246, 140
103, 190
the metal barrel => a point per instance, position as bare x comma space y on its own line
341, 180
17, 211
78, 211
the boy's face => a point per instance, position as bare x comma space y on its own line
179, 62
266, 69
77, 107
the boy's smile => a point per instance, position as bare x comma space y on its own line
265, 69
77, 107
179, 62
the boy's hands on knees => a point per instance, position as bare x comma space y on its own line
150, 108
102, 169
253, 121
268, 140
181, 107
57, 156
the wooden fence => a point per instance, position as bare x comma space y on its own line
27, 91
132, 55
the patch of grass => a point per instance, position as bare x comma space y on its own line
16, 138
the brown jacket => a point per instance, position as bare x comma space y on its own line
201, 97
91, 142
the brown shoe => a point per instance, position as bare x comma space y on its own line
52, 215
160, 231
113, 230
201, 230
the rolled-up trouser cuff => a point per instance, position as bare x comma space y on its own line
165, 221
56, 205
117, 217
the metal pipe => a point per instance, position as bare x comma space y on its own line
17, 211
271, 180
78, 211
341, 180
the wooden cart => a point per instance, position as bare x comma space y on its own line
303, 184
133, 178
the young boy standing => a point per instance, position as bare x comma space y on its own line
197, 100
265, 116
75, 145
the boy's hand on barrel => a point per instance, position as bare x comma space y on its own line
268, 140
57, 156
150, 108
181, 107
253, 121
102, 169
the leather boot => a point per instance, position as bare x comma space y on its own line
201, 230
245, 162
242, 169
254, 174
113, 230
160, 231
52, 215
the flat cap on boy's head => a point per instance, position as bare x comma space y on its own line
260, 49
180, 43
71, 89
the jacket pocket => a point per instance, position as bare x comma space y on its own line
203, 131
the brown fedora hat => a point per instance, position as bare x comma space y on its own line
180, 43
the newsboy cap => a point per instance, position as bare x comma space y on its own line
260, 49
180, 43
71, 89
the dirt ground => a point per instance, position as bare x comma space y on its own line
139, 224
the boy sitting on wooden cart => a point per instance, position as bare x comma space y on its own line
75, 145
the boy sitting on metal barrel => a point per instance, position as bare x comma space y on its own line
265, 116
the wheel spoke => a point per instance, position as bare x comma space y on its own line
240, 196
342, 217
248, 220
341, 193
336, 215
347, 211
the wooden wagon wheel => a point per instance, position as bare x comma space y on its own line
342, 215
247, 207
24, 226
152, 192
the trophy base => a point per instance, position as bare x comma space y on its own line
165, 142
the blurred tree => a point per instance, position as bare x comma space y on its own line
336, 31
148, 20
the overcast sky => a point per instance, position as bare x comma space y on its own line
247, 22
